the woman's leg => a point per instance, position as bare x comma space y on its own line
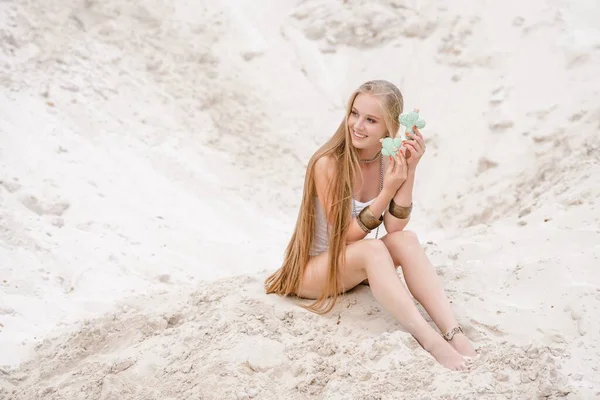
371, 259
424, 284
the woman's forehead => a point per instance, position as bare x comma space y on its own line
367, 104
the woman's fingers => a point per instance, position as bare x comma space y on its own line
392, 165
417, 132
402, 162
395, 163
414, 146
400, 157
418, 137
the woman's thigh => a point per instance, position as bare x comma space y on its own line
349, 275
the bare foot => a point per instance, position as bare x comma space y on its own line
447, 356
463, 346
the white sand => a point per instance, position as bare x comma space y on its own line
152, 160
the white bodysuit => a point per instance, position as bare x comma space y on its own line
320, 241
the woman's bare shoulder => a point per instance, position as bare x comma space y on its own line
325, 166
324, 171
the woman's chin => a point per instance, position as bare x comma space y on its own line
363, 144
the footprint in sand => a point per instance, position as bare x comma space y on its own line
44, 208
494, 330
12, 186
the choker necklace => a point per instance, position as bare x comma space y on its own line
370, 160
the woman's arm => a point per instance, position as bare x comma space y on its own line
324, 171
403, 198
378, 206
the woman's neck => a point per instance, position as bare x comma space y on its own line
367, 156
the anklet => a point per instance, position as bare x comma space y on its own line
449, 335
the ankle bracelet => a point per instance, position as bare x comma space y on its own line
450, 334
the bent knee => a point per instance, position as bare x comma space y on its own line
375, 250
405, 236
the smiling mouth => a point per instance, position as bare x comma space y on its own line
358, 135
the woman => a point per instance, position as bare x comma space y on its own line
349, 190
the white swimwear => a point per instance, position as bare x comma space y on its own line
320, 241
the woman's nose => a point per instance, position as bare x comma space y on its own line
358, 124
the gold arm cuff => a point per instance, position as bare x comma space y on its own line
362, 226
399, 211
369, 220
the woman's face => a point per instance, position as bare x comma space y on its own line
365, 122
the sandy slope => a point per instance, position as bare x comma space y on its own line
152, 160
227, 340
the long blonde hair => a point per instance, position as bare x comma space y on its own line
286, 280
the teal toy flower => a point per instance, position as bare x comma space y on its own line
390, 146
410, 119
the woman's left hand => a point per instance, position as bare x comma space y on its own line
415, 148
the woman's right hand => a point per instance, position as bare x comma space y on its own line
396, 172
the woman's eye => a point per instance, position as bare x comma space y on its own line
371, 120
353, 113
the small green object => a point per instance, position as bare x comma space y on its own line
408, 120
390, 146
